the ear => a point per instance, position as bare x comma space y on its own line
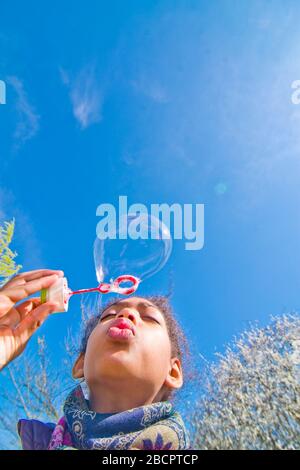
174, 378
77, 371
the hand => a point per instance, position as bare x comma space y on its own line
19, 322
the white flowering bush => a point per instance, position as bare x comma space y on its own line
250, 398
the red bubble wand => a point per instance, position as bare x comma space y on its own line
60, 292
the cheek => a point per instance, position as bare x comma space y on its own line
95, 344
157, 346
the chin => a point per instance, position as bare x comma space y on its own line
116, 365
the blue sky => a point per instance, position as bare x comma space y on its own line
165, 102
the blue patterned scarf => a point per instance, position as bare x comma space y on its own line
151, 427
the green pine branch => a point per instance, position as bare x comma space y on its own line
8, 266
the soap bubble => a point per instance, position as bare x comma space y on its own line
141, 245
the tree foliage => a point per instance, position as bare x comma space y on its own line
250, 398
8, 266
30, 388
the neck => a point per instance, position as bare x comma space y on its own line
115, 398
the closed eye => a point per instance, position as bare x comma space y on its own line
153, 319
106, 316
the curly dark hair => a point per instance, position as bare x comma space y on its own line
179, 343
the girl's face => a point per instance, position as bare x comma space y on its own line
140, 353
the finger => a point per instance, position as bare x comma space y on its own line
33, 321
35, 300
37, 273
15, 314
22, 291
11, 319
30, 276
5, 305
27, 306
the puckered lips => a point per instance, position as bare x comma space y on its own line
121, 328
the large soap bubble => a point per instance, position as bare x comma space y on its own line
131, 253
140, 246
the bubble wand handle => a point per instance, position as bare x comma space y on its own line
83, 291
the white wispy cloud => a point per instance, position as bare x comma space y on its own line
151, 88
28, 120
85, 94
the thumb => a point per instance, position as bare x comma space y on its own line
33, 321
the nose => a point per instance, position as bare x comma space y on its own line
128, 313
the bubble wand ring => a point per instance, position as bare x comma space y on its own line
115, 286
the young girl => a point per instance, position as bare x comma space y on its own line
131, 364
